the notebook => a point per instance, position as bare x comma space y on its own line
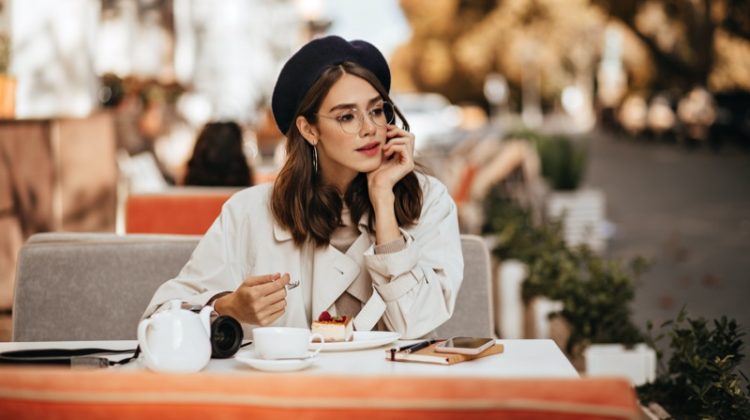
429, 355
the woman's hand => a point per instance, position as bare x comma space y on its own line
259, 300
398, 161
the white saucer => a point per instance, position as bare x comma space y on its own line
361, 340
286, 365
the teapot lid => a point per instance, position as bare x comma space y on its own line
174, 304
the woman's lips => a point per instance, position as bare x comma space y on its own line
370, 149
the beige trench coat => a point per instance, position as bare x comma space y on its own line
411, 291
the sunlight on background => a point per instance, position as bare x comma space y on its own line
52, 55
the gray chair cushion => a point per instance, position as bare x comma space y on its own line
473, 314
91, 286
95, 286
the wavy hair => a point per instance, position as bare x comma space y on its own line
310, 209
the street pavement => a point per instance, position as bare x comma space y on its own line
688, 211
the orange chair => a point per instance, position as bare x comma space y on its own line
179, 210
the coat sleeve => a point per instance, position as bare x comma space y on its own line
419, 283
213, 267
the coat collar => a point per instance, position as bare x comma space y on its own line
335, 272
281, 234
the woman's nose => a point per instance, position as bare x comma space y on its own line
368, 126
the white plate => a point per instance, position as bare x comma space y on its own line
287, 365
362, 340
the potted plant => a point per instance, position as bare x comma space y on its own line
581, 210
701, 379
589, 296
516, 241
596, 296
7, 82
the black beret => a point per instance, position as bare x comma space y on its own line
306, 65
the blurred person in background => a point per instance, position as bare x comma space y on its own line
218, 158
633, 114
348, 227
697, 112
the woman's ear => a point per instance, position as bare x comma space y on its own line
308, 131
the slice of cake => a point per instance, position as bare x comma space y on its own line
338, 328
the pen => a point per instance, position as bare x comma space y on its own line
414, 347
420, 346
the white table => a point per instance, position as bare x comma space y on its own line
521, 359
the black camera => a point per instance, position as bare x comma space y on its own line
226, 333
226, 339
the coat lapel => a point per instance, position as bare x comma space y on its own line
361, 287
336, 273
333, 272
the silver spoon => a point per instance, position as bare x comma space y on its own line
292, 284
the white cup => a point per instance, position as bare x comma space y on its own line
284, 342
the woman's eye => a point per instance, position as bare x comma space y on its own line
345, 117
376, 112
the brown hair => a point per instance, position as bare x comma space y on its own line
307, 207
218, 158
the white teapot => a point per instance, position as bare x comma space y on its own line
176, 340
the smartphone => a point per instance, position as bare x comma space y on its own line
465, 345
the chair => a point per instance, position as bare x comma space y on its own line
91, 286
95, 286
473, 314
179, 210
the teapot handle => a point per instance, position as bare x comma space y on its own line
143, 339
205, 316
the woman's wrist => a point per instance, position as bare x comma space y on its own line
223, 304
386, 225
381, 196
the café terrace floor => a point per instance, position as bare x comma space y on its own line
689, 212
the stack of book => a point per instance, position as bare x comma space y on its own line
425, 353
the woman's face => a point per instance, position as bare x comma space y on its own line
342, 155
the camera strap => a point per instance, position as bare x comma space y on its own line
86, 357
226, 338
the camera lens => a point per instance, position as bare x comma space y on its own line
226, 337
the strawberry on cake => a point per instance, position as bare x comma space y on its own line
338, 328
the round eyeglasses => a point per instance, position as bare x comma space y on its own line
351, 119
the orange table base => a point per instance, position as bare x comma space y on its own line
34, 393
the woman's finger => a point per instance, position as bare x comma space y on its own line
401, 149
267, 288
274, 316
271, 309
257, 280
271, 314
396, 129
274, 298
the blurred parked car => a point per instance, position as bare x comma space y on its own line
732, 117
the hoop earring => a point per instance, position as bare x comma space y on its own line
315, 159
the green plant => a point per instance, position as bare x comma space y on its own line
596, 293
563, 159
701, 379
517, 235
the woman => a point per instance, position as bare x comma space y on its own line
218, 159
348, 219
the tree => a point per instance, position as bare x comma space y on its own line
681, 34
